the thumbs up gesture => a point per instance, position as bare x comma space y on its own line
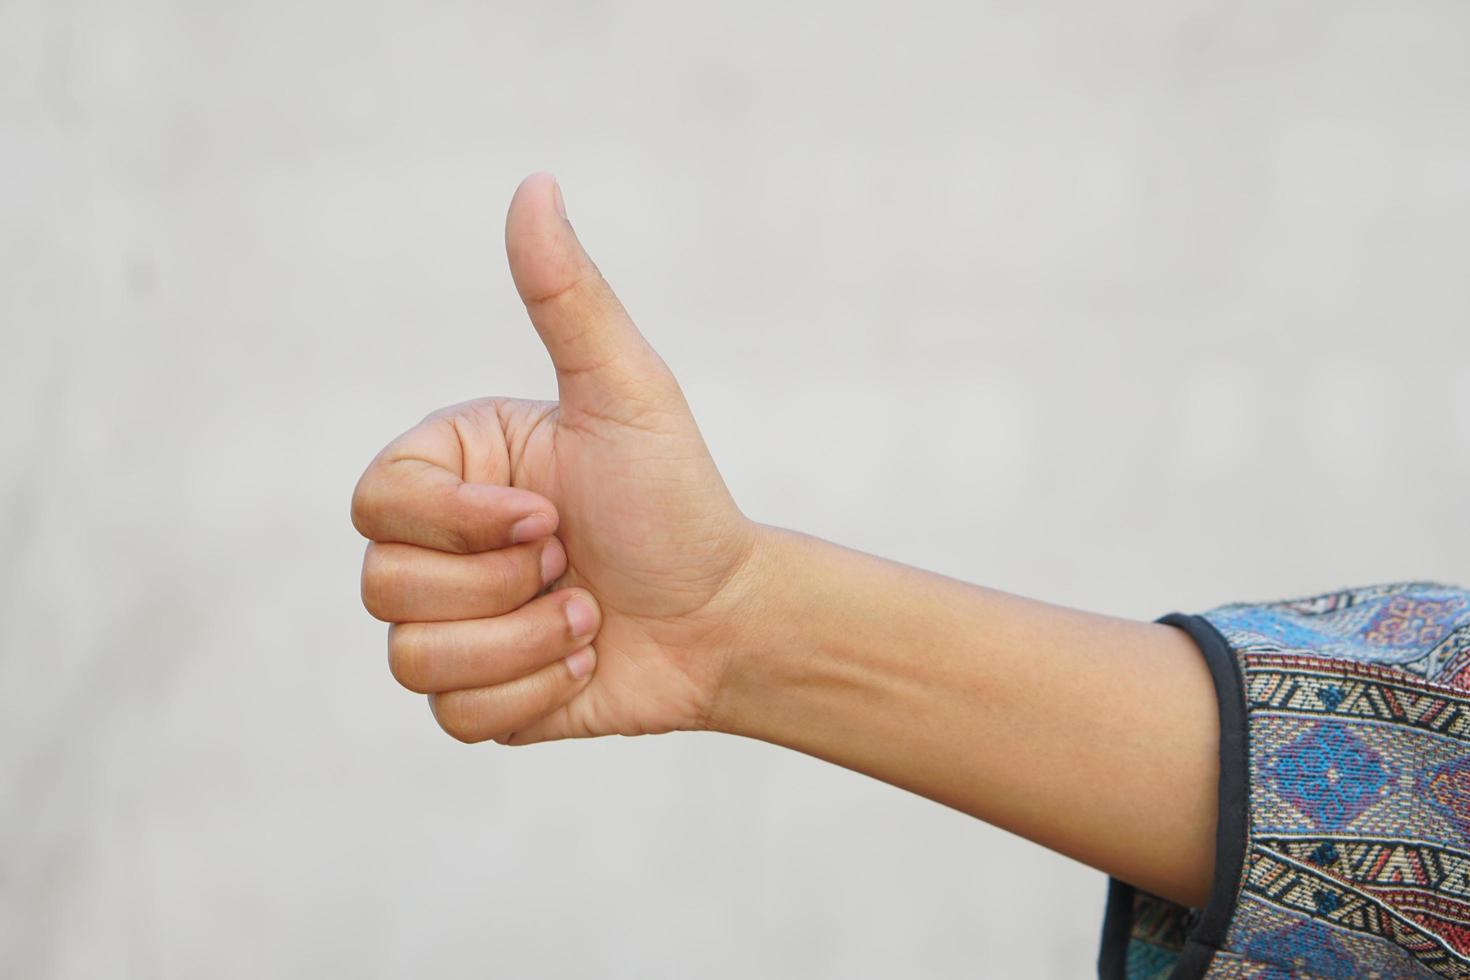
559, 569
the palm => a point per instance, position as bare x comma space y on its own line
651, 531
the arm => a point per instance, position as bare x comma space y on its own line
578, 568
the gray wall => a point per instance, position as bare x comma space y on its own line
1131, 306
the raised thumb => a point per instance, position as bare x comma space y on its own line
590, 337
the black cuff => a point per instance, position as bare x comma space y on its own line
1206, 933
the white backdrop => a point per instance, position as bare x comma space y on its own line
1134, 306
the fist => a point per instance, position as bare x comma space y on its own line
559, 569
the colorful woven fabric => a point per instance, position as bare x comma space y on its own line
1344, 840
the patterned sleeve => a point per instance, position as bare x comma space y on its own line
1343, 845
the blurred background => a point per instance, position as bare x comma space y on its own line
1132, 306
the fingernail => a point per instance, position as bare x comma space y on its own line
561, 206
582, 662
553, 561
530, 528
581, 617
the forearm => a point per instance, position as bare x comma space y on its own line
1094, 736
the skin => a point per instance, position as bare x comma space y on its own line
578, 568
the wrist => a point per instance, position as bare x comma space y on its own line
759, 628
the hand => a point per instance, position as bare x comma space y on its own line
608, 497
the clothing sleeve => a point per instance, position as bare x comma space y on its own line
1343, 836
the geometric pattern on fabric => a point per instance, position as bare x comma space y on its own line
1448, 786
1159, 930
1301, 958
1413, 622
1159, 925
1449, 662
1374, 865
1404, 624
1301, 944
1328, 901
1356, 858
1311, 685
1401, 806
1329, 773
1149, 962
